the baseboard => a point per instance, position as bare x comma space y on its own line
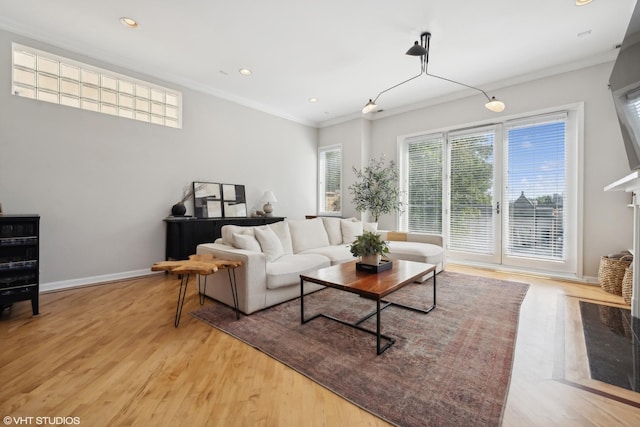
93, 280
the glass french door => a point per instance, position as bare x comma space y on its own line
473, 221
501, 194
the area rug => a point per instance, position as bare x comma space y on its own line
450, 367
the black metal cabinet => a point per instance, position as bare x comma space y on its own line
20, 259
184, 234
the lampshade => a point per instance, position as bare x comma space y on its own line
416, 50
269, 197
495, 105
369, 107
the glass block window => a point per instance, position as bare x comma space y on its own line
47, 77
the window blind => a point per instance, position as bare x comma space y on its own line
535, 189
471, 199
424, 155
330, 181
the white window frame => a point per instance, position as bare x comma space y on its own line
44, 76
573, 265
321, 182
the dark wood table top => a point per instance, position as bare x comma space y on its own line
377, 285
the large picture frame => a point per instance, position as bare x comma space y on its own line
207, 199
234, 203
216, 200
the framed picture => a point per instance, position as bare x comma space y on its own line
233, 200
207, 200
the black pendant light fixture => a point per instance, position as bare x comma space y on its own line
421, 49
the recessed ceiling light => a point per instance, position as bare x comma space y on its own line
582, 2
313, 99
245, 71
129, 22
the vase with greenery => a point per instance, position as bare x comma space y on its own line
376, 189
369, 247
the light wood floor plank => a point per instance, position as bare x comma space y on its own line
110, 355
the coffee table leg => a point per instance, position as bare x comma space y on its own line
434, 288
302, 302
378, 326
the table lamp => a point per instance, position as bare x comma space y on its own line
269, 198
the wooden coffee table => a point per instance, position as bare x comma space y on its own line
369, 285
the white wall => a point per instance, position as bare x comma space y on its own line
607, 221
103, 184
355, 138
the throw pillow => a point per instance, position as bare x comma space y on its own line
332, 225
229, 230
350, 230
270, 244
307, 234
281, 228
246, 241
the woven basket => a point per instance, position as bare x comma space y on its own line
627, 285
611, 272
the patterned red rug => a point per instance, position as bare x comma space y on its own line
450, 367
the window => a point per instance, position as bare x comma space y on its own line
536, 187
505, 193
424, 189
51, 78
330, 180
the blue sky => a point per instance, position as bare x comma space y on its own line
536, 160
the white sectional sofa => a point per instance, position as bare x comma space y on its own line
273, 256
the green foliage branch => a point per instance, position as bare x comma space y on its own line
376, 188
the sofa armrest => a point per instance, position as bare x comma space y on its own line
251, 277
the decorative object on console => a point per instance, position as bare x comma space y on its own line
268, 197
421, 49
215, 200
207, 200
179, 209
233, 200
377, 189
370, 247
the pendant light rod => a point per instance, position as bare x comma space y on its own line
422, 50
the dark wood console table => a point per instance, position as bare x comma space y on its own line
185, 233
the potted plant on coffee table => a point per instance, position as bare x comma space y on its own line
369, 247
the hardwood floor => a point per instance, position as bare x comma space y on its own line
110, 355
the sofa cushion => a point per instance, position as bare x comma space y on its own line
334, 232
350, 230
307, 234
287, 269
413, 251
269, 242
281, 228
337, 254
246, 241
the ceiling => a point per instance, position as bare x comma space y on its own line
341, 52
